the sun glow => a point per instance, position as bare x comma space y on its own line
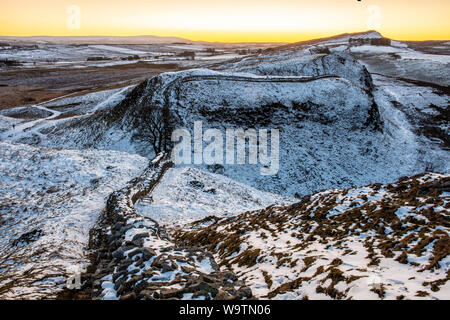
231, 20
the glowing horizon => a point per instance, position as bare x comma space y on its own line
228, 21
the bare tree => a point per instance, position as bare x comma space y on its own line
156, 127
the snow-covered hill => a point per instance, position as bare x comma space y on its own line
188, 194
340, 126
379, 241
353, 110
336, 131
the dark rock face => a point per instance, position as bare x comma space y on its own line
370, 41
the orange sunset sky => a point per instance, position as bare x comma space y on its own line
227, 20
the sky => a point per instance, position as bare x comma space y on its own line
227, 20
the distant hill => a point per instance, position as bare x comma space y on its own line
149, 39
371, 34
94, 40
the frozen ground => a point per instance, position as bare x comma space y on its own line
84, 55
388, 242
50, 199
187, 194
341, 127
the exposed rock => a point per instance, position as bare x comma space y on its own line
118, 254
138, 272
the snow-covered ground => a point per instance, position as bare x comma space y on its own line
363, 114
34, 131
42, 55
322, 105
388, 242
50, 199
187, 194
117, 49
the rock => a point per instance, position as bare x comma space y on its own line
112, 239
118, 254
119, 282
134, 271
197, 286
171, 293
128, 246
140, 236
139, 242
132, 282
121, 289
117, 275
228, 275
158, 262
139, 263
148, 273
231, 292
130, 296
245, 292
52, 189
196, 184
123, 265
133, 253
209, 278
125, 228
187, 269
239, 283
148, 253
222, 295
228, 285
166, 267
212, 289
140, 286
117, 226
146, 294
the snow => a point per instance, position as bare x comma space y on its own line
51, 197
117, 49
316, 145
437, 58
195, 47
187, 194
219, 57
313, 156
374, 49
60, 194
350, 251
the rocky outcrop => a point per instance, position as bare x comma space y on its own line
375, 242
338, 64
134, 258
333, 132
335, 86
